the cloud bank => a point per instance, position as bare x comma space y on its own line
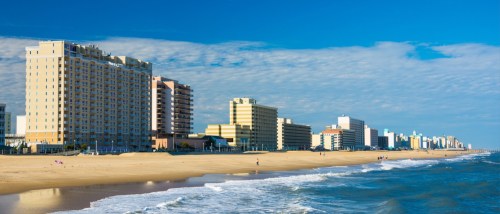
389, 85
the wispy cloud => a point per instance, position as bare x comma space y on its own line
12, 73
380, 83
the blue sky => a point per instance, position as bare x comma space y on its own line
432, 66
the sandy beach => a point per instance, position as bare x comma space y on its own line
22, 173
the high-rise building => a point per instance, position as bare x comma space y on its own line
258, 121
451, 142
391, 139
21, 125
80, 94
382, 142
358, 126
293, 136
402, 141
261, 120
415, 142
442, 140
2, 124
371, 137
8, 123
172, 108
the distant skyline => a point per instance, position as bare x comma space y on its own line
429, 66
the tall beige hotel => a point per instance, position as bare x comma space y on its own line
251, 126
261, 120
80, 94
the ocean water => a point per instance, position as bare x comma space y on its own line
466, 184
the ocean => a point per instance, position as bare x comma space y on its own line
465, 184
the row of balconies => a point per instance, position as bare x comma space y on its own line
183, 88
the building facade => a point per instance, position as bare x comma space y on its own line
331, 140
371, 137
21, 125
80, 94
334, 138
293, 136
261, 120
2, 124
235, 134
414, 142
8, 123
316, 140
358, 126
382, 142
391, 139
172, 108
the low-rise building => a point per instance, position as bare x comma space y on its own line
335, 138
332, 139
235, 134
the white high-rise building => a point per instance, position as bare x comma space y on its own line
371, 136
358, 126
391, 139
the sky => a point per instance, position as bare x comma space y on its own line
429, 66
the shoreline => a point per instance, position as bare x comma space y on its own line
23, 173
79, 197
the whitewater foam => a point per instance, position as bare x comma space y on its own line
468, 157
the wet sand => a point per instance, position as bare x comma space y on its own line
77, 198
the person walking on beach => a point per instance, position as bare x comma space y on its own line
257, 161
